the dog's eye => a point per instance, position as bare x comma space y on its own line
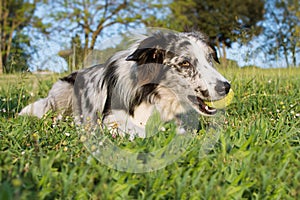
185, 64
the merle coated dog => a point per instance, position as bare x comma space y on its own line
166, 71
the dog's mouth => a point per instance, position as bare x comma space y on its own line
202, 107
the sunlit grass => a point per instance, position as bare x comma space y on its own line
255, 157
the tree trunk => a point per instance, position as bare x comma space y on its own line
8, 49
224, 60
218, 48
73, 64
1, 63
285, 52
294, 55
94, 37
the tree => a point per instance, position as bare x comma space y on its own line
225, 21
281, 30
15, 15
294, 14
19, 54
88, 19
74, 55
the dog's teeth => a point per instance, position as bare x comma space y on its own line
209, 109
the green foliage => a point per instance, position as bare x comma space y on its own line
15, 17
256, 156
19, 54
224, 21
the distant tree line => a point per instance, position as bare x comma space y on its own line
226, 22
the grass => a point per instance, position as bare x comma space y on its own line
256, 155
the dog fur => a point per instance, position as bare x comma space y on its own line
164, 71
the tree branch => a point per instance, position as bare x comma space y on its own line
100, 26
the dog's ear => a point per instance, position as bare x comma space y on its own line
149, 50
147, 55
148, 60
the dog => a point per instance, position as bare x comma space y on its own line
172, 73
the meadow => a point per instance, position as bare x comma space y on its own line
256, 156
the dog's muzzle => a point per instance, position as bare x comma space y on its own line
207, 107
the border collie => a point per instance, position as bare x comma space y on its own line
169, 72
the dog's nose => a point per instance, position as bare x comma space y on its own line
222, 88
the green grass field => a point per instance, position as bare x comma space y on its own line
257, 155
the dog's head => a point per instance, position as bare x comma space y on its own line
182, 62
